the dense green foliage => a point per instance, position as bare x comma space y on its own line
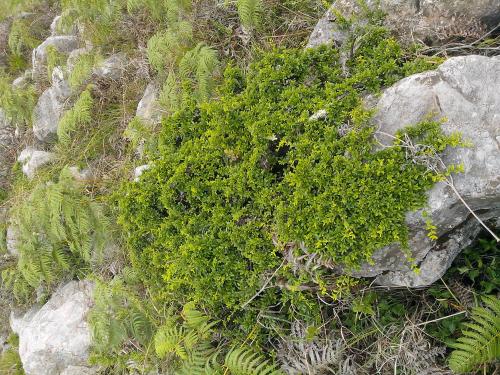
233, 174
60, 232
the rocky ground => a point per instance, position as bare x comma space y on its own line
54, 337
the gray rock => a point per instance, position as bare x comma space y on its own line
431, 21
32, 159
112, 68
4, 38
12, 239
63, 43
464, 91
148, 109
50, 107
6, 140
55, 338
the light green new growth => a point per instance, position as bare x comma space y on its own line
480, 343
170, 96
17, 103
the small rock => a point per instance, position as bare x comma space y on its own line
32, 159
55, 338
79, 370
321, 114
140, 170
50, 107
112, 68
148, 109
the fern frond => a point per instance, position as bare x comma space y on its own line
165, 48
202, 63
80, 114
250, 12
242, 361
480, 343
82, 69
170, 96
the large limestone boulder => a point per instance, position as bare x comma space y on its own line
63, 43
429, 21
55, 338
51, 106
464, 91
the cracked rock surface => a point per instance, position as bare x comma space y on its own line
430, 21
465, 92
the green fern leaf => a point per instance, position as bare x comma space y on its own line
480, 343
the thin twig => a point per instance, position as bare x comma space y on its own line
263, 286
438, 319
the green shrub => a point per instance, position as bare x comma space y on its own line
232, 174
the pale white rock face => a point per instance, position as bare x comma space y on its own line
55, 338
32, 159
51, 106
148, 109
78, 370
63, 44
138, 171
465, 91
